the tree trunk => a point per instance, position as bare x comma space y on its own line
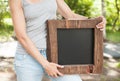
103, 14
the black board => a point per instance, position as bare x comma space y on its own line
75, 46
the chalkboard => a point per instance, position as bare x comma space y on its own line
75, 46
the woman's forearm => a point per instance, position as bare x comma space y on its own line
32, 50
77, 16
66, 12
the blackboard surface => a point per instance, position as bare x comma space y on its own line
75, 46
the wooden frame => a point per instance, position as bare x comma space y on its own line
52, 46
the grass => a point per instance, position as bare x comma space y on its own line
118, 65
113, 36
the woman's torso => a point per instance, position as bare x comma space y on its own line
36, 15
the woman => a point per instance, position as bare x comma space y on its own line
29, 20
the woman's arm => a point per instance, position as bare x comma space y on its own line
67, 13
20, 30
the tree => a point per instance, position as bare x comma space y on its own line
5, 29
117, 5
82, 7
113, 14
103, 14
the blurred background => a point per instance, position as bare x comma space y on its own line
110, 9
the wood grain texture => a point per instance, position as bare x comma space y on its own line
52, 46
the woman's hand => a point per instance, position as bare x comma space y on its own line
51, 69
102, 24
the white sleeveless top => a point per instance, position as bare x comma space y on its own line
36, 15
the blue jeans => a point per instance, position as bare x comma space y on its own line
28, 69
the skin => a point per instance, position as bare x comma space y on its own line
20, 30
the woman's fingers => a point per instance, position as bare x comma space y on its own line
102, 24
59, 66
59, 73
55, 75
53, 71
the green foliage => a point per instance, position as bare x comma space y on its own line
118, 65
82, 7
5, 29
113, 36
113, 14
85, 7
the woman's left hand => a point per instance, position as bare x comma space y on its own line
102, 24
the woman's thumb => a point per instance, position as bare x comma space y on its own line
59, 66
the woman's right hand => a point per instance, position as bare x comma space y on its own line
51, 69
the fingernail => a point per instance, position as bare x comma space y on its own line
62, 66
